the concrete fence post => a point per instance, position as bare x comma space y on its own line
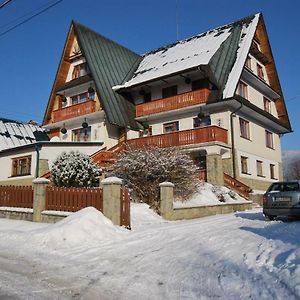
112, 199
166, 199
39, 197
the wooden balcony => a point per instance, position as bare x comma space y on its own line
171, 103
181, 138
74, 111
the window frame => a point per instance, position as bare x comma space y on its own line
269, 139
244, 132
272, 171
77, 133
174, 125
259, 168
244, 165
16, 169
77, 70
260, 71
242, 90
267, 104
248, 63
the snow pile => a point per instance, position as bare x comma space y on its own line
143, 215
87, 226
208, 194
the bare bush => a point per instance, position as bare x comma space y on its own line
143, 170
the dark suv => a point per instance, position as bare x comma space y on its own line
282, 199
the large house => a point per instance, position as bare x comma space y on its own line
216, 95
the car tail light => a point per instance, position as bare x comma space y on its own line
265, 199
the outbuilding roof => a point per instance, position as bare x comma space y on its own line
14, 134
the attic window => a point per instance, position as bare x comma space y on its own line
80, 70
242, 90
248, 62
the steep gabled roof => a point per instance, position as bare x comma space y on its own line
110, 64
14, 134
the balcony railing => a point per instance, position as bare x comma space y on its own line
171, 103
74, 111
181, 138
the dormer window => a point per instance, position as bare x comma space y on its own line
80, 70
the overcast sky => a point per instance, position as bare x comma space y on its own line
29, 54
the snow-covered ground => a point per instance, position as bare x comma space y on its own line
235, 256
208, 194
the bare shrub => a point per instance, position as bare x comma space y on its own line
144, 169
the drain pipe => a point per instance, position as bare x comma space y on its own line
37, 148
232, 138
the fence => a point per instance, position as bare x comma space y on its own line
115, 205
16, 196
73, 199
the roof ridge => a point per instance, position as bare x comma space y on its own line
202, 34
76, 23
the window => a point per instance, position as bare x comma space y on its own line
147, 97
242, 90
82, 97
21, 166
80, 70
169, 91
244, 164
248, 62
272, 171
260, 71
244, 128
269, 139
81, 135
267, 105
206, 121
200, 84
170, 127
259, 168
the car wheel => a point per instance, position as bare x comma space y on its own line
270, 218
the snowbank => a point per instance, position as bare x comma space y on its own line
143, 215
208, 194
87, 226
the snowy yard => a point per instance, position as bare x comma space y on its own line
235, 256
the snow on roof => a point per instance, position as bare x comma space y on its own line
14, 134
247, 35
187, 54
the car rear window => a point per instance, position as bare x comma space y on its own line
284, 187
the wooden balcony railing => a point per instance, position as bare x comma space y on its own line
181, 138
74, 111
171, 103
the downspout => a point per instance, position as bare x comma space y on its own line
37, 148
232, 138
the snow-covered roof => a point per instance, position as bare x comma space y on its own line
192, 53
14, 134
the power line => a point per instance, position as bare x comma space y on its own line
25, 15
30, 18
4, 3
